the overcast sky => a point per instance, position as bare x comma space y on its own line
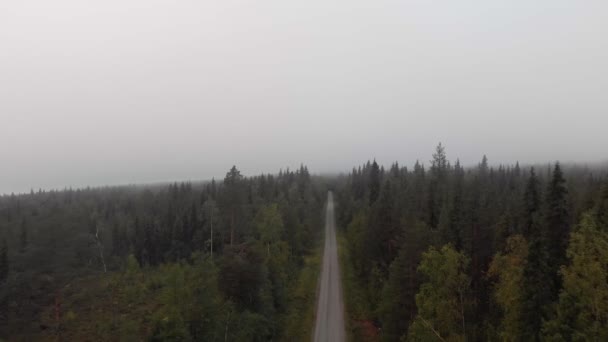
135, 91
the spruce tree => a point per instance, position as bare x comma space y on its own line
397, 308
383, 232
537, 292
233, 199
374, 182
556, 227
451, 232
531, 205
439, 169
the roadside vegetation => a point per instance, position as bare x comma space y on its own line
299, 321
359, 326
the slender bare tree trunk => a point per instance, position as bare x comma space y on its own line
226, 330
430, 326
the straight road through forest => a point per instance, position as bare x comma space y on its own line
329, 325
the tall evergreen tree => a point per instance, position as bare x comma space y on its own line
233, 199
438, 171
531, 205
374, 182
556, 226
452, 229
398, 305
383, 232
536, 292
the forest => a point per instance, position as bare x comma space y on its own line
448, 253
225, 261
431, 253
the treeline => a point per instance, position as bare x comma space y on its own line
503, 253
209, 261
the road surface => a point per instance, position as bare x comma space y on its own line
329, 325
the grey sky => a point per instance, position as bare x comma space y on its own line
124, 91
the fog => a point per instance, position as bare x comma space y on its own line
134, 91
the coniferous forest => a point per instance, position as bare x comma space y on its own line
436, 252
485, 253
303, 171
212, 261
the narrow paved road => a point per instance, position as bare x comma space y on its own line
329, 326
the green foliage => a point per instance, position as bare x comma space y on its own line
299, 318
556, 226
443, 297
232, 200
508, 270
269, 225
262, 227
537, 288
477, 210
357, 303
357, 241
191, 302
582, 311
397, 308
